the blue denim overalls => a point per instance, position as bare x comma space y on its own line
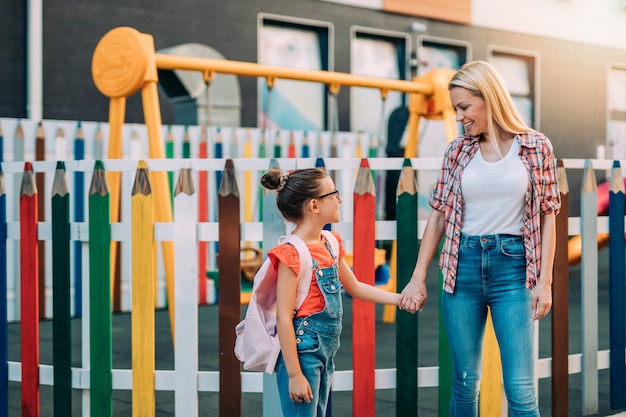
317, 341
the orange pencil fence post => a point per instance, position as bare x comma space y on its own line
229, 291
363, 323
29, 291
143, 293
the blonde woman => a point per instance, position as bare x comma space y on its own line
494, 204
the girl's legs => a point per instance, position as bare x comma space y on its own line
317, 345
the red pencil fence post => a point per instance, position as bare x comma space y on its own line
29, 291
363, 324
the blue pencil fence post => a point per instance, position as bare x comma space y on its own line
589, 290
617, 308
79, 216
4, 345
273, 229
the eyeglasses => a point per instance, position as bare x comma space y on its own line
335, 193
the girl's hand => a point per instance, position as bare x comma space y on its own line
299, 388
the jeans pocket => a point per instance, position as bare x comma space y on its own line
332, 293
513, 249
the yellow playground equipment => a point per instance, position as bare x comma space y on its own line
125, 62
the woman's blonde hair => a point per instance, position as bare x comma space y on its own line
483, 80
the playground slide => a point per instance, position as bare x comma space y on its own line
575, 243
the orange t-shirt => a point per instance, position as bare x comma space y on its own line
287, 254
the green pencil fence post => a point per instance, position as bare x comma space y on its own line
406, 323
61, 319
445, 360
100, 377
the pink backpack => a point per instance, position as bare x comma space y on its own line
257, 344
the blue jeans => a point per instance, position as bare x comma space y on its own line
317, 341
491, 274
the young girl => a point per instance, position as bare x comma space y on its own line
309, 337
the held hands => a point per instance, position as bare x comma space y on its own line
299, 388
413, 296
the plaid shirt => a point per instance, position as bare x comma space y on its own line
542, 196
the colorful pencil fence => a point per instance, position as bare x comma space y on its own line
95, 378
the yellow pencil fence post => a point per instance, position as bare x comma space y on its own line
143, 275
491, 383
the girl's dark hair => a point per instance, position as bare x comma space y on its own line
294, 189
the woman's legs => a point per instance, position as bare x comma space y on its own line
464, 314
510, 302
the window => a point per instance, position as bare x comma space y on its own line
295, 43
382, 54
616, 112
519, 71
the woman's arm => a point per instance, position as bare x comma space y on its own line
299, 388
428, 248
542, 294
362, 291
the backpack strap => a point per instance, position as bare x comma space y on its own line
332, 240
306, 267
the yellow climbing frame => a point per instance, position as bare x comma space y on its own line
125, 62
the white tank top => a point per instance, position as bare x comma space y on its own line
494, 194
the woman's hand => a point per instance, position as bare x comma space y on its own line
413, 296
542, 299
299, 388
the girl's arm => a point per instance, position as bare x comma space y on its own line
299, 388
362, 291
